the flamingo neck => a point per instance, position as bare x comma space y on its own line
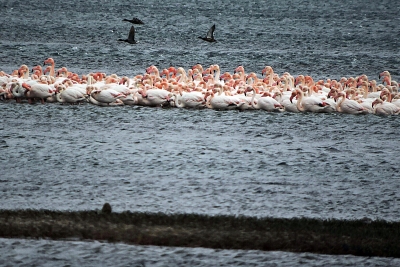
52, 70
217, 74
300, 100
253, 104
339, 105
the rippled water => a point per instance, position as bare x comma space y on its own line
325, 40
19, 252
204, 161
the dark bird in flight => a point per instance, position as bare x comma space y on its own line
134, 21
210, 35
131, 37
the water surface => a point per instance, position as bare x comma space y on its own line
203, 161
19, 252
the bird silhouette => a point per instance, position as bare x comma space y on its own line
210, 35
131, 37
134, 21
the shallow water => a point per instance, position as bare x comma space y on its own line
203, 161
20, 252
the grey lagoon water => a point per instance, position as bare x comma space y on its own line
199, 161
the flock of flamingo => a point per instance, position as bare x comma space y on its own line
204, 88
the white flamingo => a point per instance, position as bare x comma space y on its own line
106, 96
385, 108
348, 106
69, 95
40, 91
153, 97
310, 104
266, 103
222, 102
288, 100
193, 99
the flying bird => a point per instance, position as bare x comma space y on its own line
134, 21
131, 37
210, 35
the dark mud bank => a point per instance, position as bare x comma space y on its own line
356, 237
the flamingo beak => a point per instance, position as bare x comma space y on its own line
26, 86
323, 104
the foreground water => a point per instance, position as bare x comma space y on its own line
20, 252
199, 161
169, 160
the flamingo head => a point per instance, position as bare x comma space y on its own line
149, 69
361, 83
26, 86
43, 79
172, 70
384, 93
266, 70
377, 101
338, 95
13, 85
123, 80
206, 71
364, 77
323, 104
384, 74
95, 92
298, 80
90, 89
37, 68
60, 88
20, 73
315, 88
207, 94
164, 72
308, 79
343, 80
249, 89
239, 69
14, 73
206, 78
197, 66
332, 93
227, 76
222, 77
293, 95
59, 71
48, 61
111, 79
349, 93
22, 70
266, 94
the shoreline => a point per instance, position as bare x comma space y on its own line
337, 237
